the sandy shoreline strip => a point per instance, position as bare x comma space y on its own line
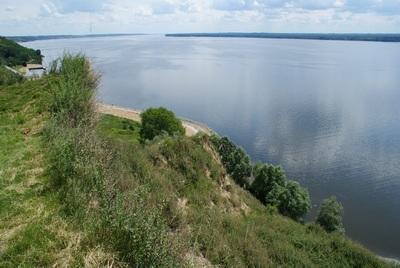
191, 127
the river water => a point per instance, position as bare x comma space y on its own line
327, 111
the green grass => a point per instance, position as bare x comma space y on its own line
32, 230
119, 128
8, 78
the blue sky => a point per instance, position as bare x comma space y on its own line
22, 17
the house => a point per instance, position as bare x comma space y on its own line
34, 70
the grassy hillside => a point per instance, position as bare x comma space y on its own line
8, 77
80, 190
13, 54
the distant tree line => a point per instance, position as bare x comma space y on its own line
385, 37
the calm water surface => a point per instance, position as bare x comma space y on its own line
327, 111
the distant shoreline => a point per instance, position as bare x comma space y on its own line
371, 37
393, 37
30, 38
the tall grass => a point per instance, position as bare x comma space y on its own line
87, 174
73, 95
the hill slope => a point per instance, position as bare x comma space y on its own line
13, 54
81, 191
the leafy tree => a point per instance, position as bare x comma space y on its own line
330, 215
155, 121
274, 196
242, 169
266, 178
293, 200
235, 160
270, 185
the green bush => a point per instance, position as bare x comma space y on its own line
270, 185
330, 215
138, 231
292, 200
156, 121
74, 92
235, 160
266, 178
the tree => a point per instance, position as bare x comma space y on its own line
330, 215
155, 121
242, 169
235, 160
266, 178
293, 201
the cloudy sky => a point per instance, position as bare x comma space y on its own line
22, 17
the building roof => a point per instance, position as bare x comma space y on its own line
35, 67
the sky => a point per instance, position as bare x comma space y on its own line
38, 17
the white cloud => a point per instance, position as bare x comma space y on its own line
10, 8
20, 17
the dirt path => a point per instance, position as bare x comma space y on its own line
191, 127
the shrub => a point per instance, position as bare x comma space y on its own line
73, 93
139, 232
155, 121
235, 160
292, 200
269, 186
330, 215
266, 178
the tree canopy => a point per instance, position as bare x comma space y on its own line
156, 121
330, 215
235, 160
269, 183
266, 178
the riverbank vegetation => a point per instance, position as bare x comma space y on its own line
80, 190
330, 215
266, 182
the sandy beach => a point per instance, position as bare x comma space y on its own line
191, 127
